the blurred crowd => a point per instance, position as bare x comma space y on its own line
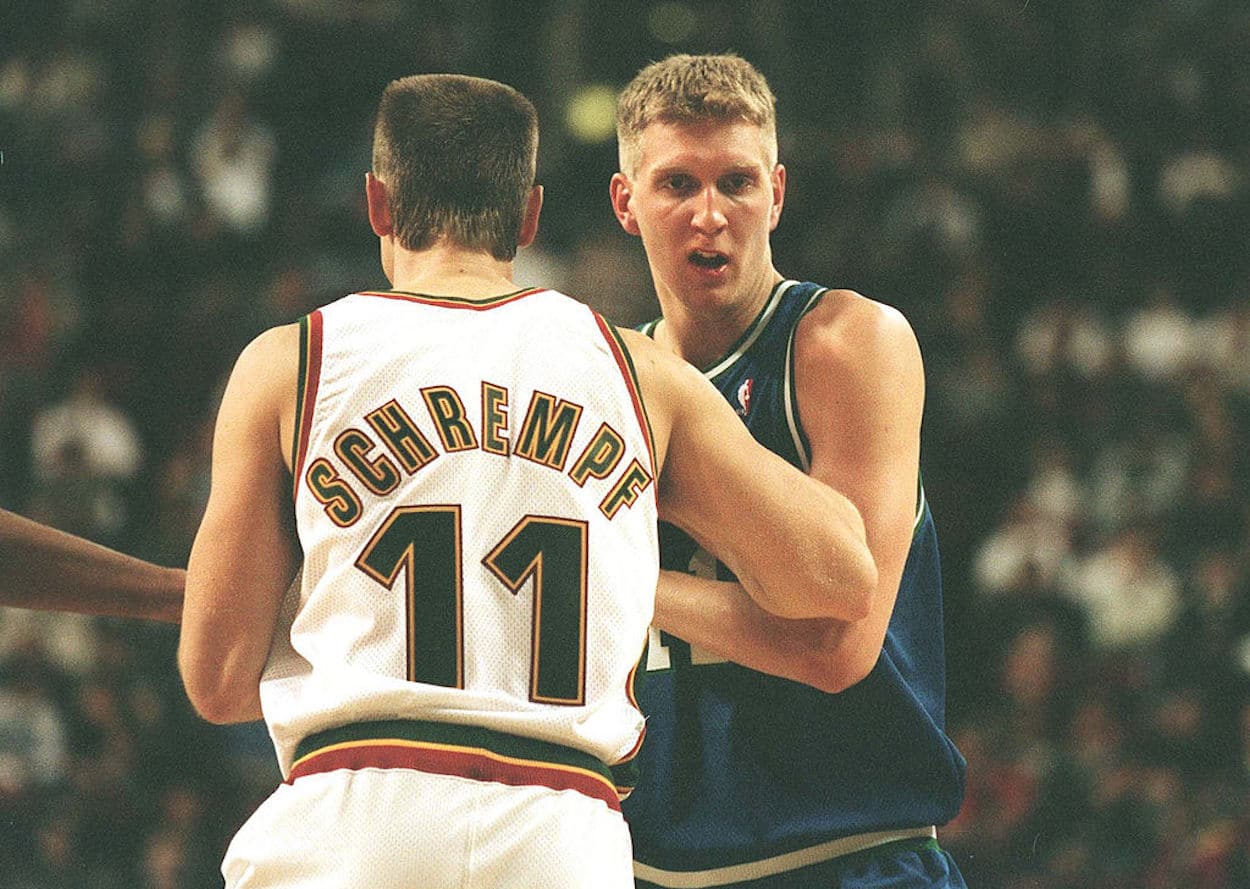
1056, 194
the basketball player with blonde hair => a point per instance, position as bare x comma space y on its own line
782, 753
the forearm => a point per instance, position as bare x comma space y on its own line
817, 564
721, 618
234, 589
49, 570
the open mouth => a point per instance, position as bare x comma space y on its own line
706, 259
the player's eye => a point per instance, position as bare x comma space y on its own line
679, 182
736, 183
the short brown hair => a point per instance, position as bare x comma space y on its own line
458, 156
690, 89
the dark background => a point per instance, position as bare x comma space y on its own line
1055, 193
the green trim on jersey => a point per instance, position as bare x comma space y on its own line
308, 378
452, 735
299, 392
634, 384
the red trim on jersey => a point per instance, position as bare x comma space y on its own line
633, 751
625, 366
312, 380
446, 759
454, 302
630, 686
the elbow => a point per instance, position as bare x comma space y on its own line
208, 706
212, 696
214, 713
847, 572
860, 586
847, 589
221, 708
835, 672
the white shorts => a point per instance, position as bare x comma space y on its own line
399, 828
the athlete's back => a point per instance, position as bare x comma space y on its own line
464, 558
747, 776
452, 675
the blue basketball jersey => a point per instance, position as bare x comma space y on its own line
746, 775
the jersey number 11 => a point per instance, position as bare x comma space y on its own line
425, 542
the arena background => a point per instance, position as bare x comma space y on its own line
1055, 192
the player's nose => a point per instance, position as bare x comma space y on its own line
709, 216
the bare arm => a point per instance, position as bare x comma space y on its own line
245, 552
860, 392
797, 546
50, 570
719, 617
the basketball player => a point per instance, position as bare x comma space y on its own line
49, 570
477, 470
827, 764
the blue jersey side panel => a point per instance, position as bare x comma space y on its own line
739, 766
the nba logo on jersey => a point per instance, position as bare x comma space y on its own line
744, 397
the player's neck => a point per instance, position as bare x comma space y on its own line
449, 270
702, 334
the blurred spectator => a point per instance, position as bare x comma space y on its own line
86, 453
181, 492
233, 157
38, 317
108, 441
33, 737
1027, 552
1064, 336
248, 52
1223, 345
1198, 174
1158, 337
56, 861
1129, 593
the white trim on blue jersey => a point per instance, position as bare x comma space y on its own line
792, 420
778, 864
760, 324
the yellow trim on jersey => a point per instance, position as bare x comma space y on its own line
452, 748
449, 748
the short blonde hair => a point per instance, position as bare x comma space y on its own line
692, 89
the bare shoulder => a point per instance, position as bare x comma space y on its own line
277, 344
259, 401
850, 334
269, 364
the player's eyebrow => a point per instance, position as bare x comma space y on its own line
670, 169
685, 168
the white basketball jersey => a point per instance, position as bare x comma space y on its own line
475, 500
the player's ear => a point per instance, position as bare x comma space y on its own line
379, 206
621, 192
529, 222
779, 195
